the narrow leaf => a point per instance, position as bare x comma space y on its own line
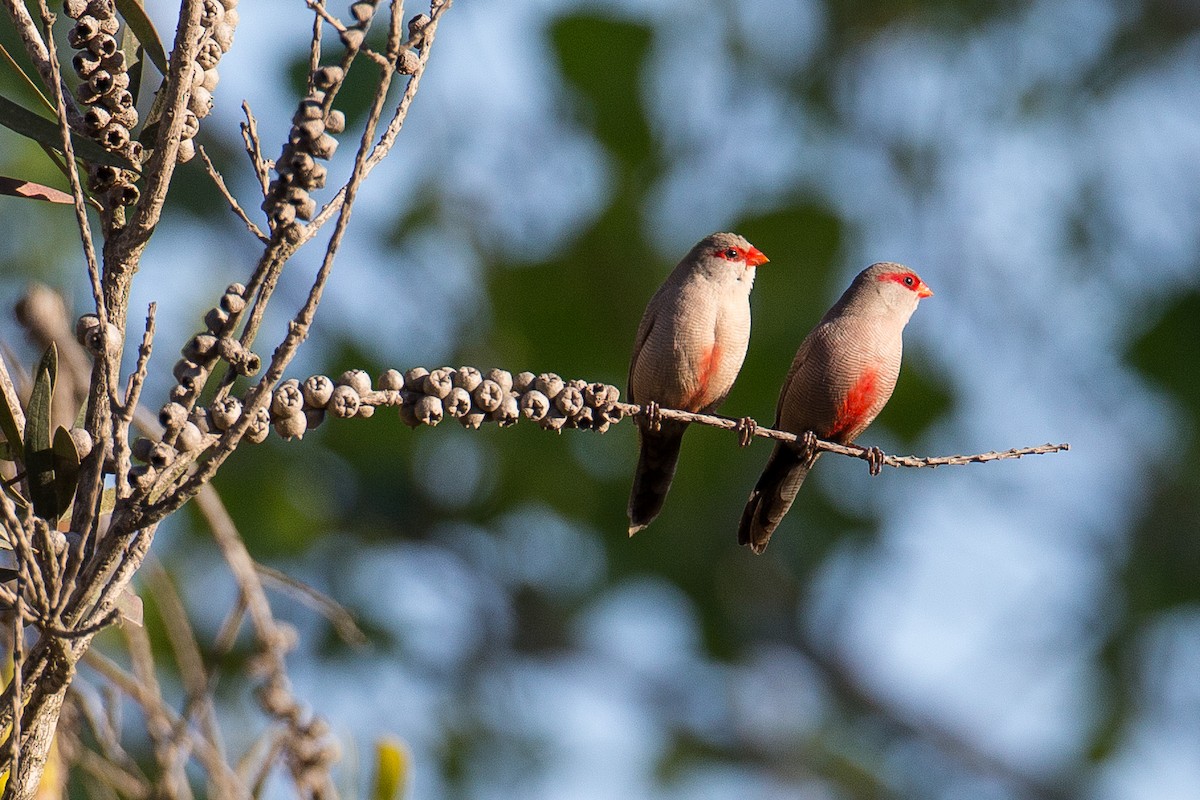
66, 467
15, 187
15, 68
391, 769
49, 363
44, 131
39, 457
135, 17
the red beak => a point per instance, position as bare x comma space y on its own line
924, 291
755, 257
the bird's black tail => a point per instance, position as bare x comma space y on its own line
655, 470
772, 496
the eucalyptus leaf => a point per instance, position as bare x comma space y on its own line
49, 363
66, 467
135, 17
39, 457
43, 131
16, 187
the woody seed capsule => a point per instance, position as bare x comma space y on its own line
534, 405
488, 396
391, 381
548, 384
366, 411
324, 146
595, 395
473, 420
408, 62
358, 378
260, 427
501, 377
569, 401
141, 448
554, 421
84, 326
407, 411
414, 379
317, 391
335, 122
233, 303
439, 382
190, 438
428, 410
82, 441
328, 77
315, 416
457, 402
225, 413
172, 416
467, 378
161, 453
523, 382
216, 319
508, 413
199, 347
287, 399
292, 426
344, 402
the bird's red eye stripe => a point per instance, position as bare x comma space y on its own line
753, 257
909, 281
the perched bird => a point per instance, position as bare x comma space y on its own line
690, 345
841, 378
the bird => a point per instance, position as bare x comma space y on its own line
688, 351
841, 378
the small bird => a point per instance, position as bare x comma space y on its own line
841, 378
689, 349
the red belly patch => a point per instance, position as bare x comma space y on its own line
704, 374
856, 405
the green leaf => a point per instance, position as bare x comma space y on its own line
66, 467
49, 363
39, 457
15, 187
15, 68
391, 769
135, 17
46, 132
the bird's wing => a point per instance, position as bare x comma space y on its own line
802, 356
643, 333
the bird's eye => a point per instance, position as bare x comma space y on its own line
731, 254
908, 280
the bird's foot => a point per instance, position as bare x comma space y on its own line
808, 445
653, 416
874, 460
746, 427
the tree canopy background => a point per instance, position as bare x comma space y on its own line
1021, 629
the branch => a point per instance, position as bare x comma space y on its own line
35, 48
474, 397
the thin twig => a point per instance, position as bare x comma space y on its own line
342, 620
262, 168
229, 198
852, 450
81, 220
210, 759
